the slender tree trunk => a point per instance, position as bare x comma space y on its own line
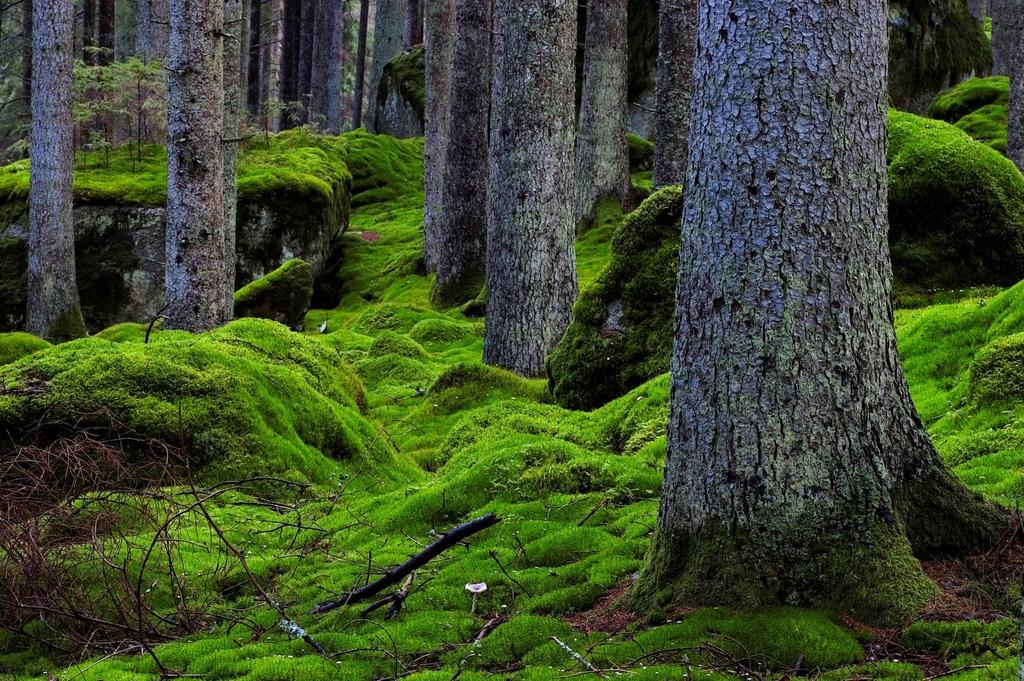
53, 309
388, 27
602, 155
26, 56
152, 28
307, 38
357, 98
1006, 35
245, 42
1014, 25
195, 262
291, 49
105, 32
325, 91
677, 30
413, 31
531, 262
437, 106
254, 83
89, 32
797, 466
460, 253
234, 16
272, 65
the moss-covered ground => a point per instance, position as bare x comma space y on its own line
419, 436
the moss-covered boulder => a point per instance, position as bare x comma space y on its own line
956, 208
621, 332
283, 295
14, 346
250, 399
980, 107
399, 108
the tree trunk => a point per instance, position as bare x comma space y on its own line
245, 42
797, 467
290, 51
388, 27
234, 16
437, 65
89, 32
1006, 35
53, 310
677, 30
325, 90
152, 28
272, 65
531, 262
26, 56
413, 32
979, 9
1014, 25
105, 34
307, 39
602, 155
460, 250
195, 262
357, 97
256, 73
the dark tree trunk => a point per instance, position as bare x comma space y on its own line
388, 27
26, 56
307, 39
152, 23
1006, 35
245, 42
357, 98
89, 32
53, 309
437, 106
196, 240
460, 250
105, 35
271, 65
798, 470
413, 32
1014, 25
531, 262
602, 155
677, 31
235, 16
256, 72
325, 90
291, 49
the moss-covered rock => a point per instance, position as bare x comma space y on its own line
14, 346
980, 107
400, 96
283, 295
621, 332
641, 154
956, 208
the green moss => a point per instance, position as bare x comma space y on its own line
876, 671
988, 125
68, 326
969, 96
389, 343
405, 74
952, 639
14, 346
641, 154
283, 295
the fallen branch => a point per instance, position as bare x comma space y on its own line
395, 575
579, 658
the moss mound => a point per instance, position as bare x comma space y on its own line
621, 332
15, 345
953, 104
956, 208
283, 295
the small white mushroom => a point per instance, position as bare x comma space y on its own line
476, 590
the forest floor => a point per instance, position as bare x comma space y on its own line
577, 493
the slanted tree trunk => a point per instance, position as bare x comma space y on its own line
152, 21
1014, 25
388, 28
360, 75
89, 32
196, 240
325, 89
413, 31
798, 470
234, 16
531, 263
53, 310
105, 32
602, 155
256, 72
437, 65
677, 31
460, 251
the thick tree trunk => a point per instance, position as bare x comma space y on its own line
460, 249
234, 16
360, 76
89, 32
677, 31
388, 27
797, 467
152, 23
256, 73
438, 66
531, 263
105, 32
1014, 25
979, 9
53, 310
290, 52
325, 91
602, 155
196, 240
413, 31
1006, 35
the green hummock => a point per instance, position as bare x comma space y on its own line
284, 295
980, 107
17, 344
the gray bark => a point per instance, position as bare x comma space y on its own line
26, 56
602, 156
255, 72
460, 248
412, 34
152, 28
307, 38
195, 269
1006, 35
437, 64
388, 29
531, 262
325, 97
677, 31
234, 17
792, 435
979, 9
244, 52
53, 309
271, 61
357, 97
1014, 25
